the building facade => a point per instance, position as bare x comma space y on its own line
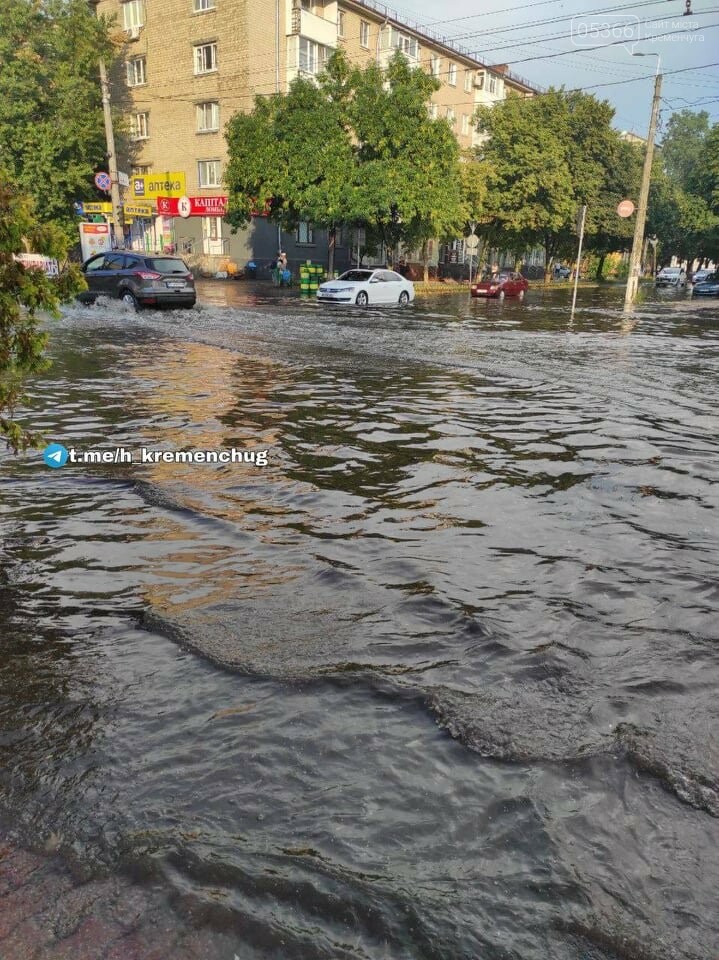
191, 64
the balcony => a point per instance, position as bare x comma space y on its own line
306, 24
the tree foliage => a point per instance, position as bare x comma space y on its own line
23, 295
357, 147
51, 125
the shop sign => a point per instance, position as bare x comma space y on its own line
97, 207
38, 261
151, 185
94, 238
192, 206
142, 210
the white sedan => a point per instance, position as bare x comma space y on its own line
367, 286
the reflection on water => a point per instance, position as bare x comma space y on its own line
436, 682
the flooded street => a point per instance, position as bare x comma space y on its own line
438, 682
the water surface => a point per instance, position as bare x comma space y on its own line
439, 681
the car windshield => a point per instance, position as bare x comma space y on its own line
359, 276
671, 271
167, 265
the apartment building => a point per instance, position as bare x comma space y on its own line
191, 64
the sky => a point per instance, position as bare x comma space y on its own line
584, 43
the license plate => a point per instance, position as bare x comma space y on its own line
175, 284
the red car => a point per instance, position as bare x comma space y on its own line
501, 285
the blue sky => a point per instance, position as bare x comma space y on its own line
507, 31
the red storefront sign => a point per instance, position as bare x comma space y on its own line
192, 206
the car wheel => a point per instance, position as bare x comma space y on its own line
362, 299
404, 297
128, 297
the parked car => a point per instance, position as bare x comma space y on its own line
367, 286
709, 287
672, 277
139, 279
701, 275
560, 272
501, 285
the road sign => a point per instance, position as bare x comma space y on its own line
471, 242
625, 208
103, 181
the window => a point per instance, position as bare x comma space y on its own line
364, 33
341, 23
436, 66
205, 58
305, 233
400, 41
136, 72
492, 84
465, 124
450, 116
209, 173
433, 111
140, 126
479, 80
208, 116
313, 56
133, 15
452, 77
467, 81
199, 6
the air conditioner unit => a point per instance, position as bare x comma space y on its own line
133, 33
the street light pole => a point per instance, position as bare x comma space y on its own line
638, 242
117, 214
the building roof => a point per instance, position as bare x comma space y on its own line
447, 44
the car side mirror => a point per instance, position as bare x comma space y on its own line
374, 280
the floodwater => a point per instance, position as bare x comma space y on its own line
438, 681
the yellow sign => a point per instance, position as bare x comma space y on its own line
168, 184
139, 210
97, 207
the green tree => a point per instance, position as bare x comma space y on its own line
547, 156
51, 125
530, 197
683, 222
684, 150
24, 294
358, 147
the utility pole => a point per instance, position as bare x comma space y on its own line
582, 221
638, 242
117, 214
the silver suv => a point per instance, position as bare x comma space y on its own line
672, 277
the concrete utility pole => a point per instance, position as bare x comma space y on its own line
117, 213
638, 242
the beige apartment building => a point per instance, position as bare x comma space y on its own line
192, 64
